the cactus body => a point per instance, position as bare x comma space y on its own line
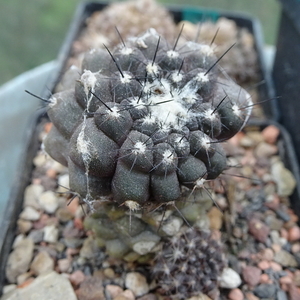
145, 119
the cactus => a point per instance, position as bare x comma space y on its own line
189, 264
144, 120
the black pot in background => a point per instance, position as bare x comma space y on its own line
286, 69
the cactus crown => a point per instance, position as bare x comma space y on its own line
145, 119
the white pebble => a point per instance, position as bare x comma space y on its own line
137, 283
230, 279
32, 194
30, 214
49, 202
50, 234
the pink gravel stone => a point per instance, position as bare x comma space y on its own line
294, 234
270, 134
294, 292
77, 277
251, 275
275, 266
259, 230
113, 290
263, 265
236, 294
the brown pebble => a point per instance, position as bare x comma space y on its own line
216, 218
251, 275
109, 273
285, 279
294, 234
64, 265
267, 254
294, 292
113, 290
47, 127
78, 223
270, 134
275, 266
51, 173
128, 294
259, 230
236, 294
297, 278
284, 233
250, 296
264, 278
264, 265
296, 247
90, 289
77, 277
276, 248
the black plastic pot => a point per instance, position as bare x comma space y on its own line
286, 69
14, 207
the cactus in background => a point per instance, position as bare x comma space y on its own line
190, 263
144, 120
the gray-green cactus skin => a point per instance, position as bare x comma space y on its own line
145, 119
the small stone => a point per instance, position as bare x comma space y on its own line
230, 279
265, 290
259, 230
285, 259
47, 286
144, 242
37, 235
216, 218
8, 288
91, 289
236, 294
63, 183
64, 215
32, 194
265, 150
294, 292
264, 265
19, 260
72, 242
250, 296
137, 283
281, 295
113, 290
23, 277
24, 226
153, 297
77, 277
172, 225
270, 134
283, 177
109, 273
42, 263
64, 265
251, 275
275, 266
50, 234
89, 248
285, 280
49, 202
126, 295
264, 278
30, 214
267, 254
294, 234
